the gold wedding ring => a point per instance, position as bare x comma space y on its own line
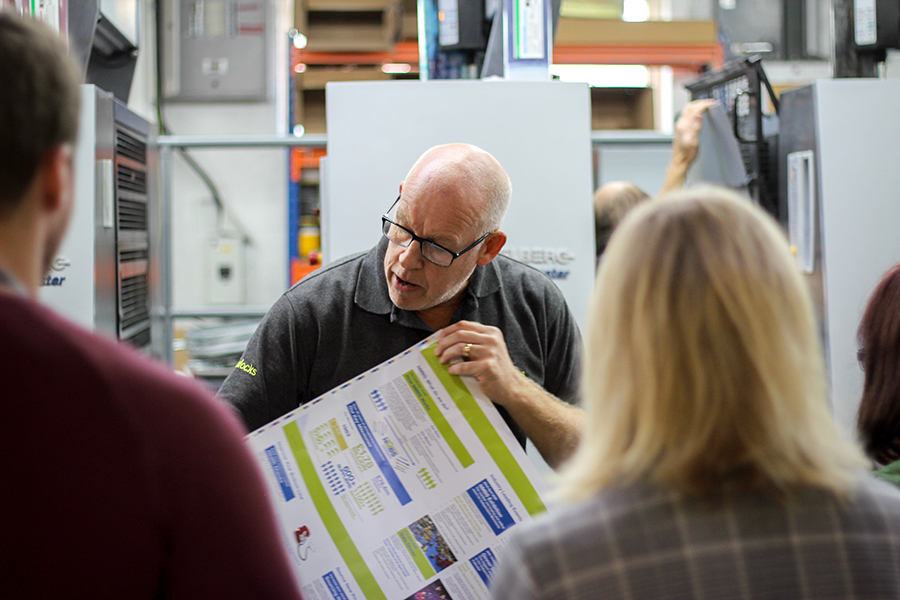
466, 350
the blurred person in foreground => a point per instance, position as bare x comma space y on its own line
710, 466
120, 479
878, 420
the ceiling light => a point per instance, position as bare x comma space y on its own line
635, 11
300, 41
396, 68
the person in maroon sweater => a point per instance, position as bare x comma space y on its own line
119, 479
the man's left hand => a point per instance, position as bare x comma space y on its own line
480, 351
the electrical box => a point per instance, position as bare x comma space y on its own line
225, 271
774, 29
215, 50
461, 25
876, 25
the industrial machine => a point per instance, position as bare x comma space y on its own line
822, 161
742, 88
105, 275
839, 177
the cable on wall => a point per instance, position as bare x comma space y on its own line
221, 210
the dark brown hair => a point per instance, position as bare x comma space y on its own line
38, 101
879, 353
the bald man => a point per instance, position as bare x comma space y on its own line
436, 267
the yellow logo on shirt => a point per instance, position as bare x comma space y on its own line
246, 368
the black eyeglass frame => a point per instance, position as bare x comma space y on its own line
422, 241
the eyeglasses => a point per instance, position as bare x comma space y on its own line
433, 252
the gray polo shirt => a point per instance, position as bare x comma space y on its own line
339, 322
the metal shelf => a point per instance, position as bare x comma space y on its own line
167, 146
240, 141
688, 56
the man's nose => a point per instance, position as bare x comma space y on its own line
411, 256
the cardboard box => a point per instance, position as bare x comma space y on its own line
409, 28
311, 110
585, 32
621, 108
316, 76
350, 25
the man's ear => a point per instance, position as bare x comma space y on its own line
493, 244
401, 185
56, 175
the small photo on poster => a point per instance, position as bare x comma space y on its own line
432, 543
433, 591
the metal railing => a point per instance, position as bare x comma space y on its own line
168, 145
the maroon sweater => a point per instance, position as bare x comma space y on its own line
119, 479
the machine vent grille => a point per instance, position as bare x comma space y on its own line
134, 305
130, 146
132, 215
130, 180
132, 255
141, 339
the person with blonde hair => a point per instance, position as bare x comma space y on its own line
710, 465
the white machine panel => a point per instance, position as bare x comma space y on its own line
859, 179
539, 131
642, 160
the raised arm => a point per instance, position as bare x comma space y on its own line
685, 144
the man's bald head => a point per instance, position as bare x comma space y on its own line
464, 170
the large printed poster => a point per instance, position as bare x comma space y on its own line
400, 484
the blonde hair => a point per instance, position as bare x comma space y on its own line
702, 363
